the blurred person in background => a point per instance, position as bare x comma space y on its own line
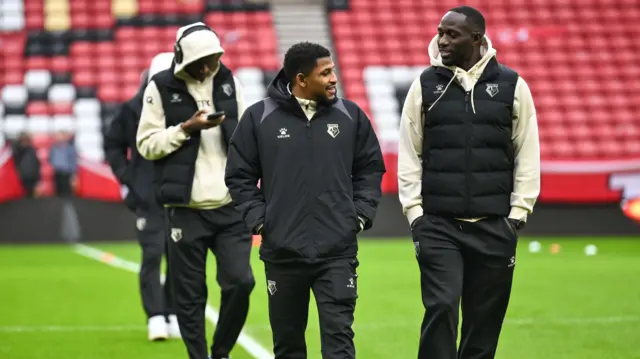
320, 167
27, 163
137, 175
64, 161
469, 174
189, 151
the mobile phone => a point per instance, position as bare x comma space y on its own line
215, 116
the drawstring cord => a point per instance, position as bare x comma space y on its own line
443, 91
473, 105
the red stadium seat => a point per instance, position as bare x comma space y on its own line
37, 108
558, 61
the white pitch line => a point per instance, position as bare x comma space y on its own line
507, 322
251, 345
71, 328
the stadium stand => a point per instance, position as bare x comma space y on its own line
69, 65
584, 80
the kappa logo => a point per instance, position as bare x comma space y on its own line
176, 234
283, 133
416, 246
333, 130
141, 223
492, 89
175, 98
512, 261
271, 287
227, 89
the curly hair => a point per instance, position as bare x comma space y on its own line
302, 58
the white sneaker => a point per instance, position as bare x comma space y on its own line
158, 328
173, 327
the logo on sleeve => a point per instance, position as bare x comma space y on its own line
227, 89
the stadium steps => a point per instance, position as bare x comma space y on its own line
302, 20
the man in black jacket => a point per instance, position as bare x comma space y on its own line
190, 153
468, 176
136, 175
320, 167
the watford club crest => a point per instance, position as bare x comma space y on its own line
271, 287
333, 130
492, 89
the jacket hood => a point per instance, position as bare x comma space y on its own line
160, 62
196, 45
278, 89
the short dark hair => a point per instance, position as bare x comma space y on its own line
302, 58
474, 17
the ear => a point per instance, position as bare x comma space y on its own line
477, 38
300, 79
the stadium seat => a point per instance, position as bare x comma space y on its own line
572, 104
66, 65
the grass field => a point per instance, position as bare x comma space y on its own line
57, 304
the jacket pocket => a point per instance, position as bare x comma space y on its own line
338, 210
336, 220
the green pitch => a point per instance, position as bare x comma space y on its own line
57, 304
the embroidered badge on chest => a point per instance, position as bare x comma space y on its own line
492, 89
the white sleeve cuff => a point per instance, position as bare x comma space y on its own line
518, 213
414, 213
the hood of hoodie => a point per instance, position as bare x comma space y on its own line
195, 46
279, 90
160, 62
469, 78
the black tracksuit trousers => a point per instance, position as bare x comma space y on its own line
193, 233
468, 263
157, 299
334, 285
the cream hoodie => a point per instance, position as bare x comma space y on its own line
525, 140
155, 141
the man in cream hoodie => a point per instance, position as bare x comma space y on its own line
190, 154
469, 174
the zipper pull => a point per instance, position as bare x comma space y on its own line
308, 129
466, 101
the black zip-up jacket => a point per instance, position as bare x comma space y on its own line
316, 177
137, 174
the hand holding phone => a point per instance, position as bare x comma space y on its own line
216, 117
201, 121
